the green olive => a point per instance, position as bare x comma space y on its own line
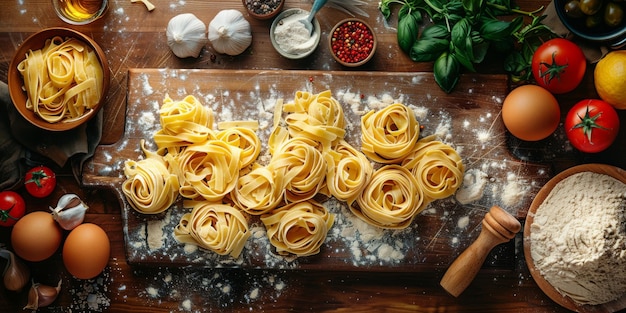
590, 7
572, 9
613, 14
594, 21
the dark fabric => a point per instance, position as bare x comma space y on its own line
11, 152
23, 145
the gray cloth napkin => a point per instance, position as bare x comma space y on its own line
23, 145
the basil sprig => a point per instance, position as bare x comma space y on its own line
462, 33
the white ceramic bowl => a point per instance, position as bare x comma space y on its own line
296, 53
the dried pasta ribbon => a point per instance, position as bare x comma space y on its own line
220, 228
63, 80
349, 172
246, 140
149, 187
183, 123
319, 117
189, 109
300, 103
209, 170
259, 191
437, 167
391, 199
389, 135
299, 228
302, 168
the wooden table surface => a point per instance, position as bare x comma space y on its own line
132, 37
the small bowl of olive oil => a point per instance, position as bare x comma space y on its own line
80, 12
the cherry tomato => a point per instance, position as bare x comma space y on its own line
559, 65
12, 208
591, 125
40, 181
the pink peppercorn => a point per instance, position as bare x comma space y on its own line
352, 41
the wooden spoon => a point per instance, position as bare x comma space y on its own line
498, 227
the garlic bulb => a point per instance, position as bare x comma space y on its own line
70, 211
230, 33
186, 35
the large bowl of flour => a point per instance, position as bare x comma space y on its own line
575, 238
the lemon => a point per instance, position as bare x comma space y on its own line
610, 78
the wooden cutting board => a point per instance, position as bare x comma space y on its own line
468, 119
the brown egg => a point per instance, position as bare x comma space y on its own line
86, 251
36, 236
531, 113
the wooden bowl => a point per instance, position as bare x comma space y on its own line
16, 82
279, 4
370, 42
545, 286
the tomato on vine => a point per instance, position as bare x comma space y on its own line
559, 65
40, 181
12, 208
592, 125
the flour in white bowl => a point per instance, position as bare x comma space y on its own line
578, 238
292, 36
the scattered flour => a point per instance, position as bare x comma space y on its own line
463, 222
514, 190
473, 186
90, 295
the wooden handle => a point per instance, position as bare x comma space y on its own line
498, 227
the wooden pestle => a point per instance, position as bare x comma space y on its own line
498, 227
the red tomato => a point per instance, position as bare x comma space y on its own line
591, 125
40, 181
559, 65
12, 208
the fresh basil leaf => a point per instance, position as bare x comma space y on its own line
480, 48
436, 5
405, 10
514, 63
461, 39
428, 50
446, 70
384, 7
464, 58
472, 7
408, 30
518, 67
492, 29
438, 31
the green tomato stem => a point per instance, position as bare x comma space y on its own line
588, 123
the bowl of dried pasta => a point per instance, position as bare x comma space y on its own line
58, 79
575, 238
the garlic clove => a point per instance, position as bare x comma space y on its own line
42, 295
186, 35
15, 274
69, 212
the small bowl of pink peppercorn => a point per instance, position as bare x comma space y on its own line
352, 42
